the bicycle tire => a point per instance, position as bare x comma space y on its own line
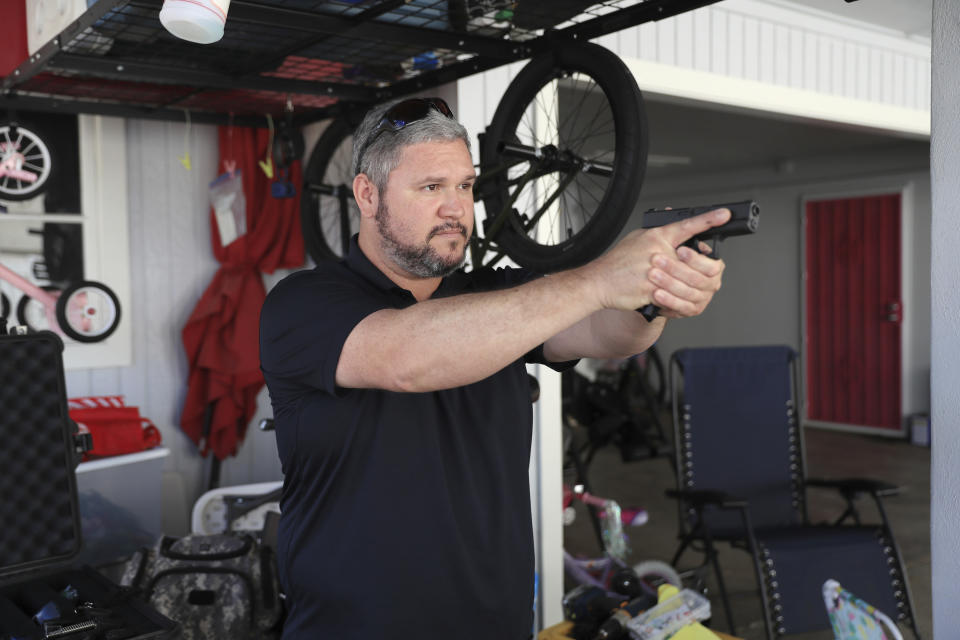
108, 310
330, 164
585, 235
4, 307
24, 314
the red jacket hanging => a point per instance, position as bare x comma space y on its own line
221, 337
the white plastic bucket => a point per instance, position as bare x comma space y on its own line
199, 21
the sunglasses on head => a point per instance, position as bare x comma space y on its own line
406, 112
409, 111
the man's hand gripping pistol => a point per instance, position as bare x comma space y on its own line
744, 220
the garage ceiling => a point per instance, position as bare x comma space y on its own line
690, 140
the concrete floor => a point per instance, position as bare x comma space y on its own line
829, 454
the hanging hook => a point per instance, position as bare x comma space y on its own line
185, 158
267, 164
230, 162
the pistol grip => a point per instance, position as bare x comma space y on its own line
649, 311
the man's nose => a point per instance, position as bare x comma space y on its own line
454, 205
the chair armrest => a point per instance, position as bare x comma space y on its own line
703, 497
856, 485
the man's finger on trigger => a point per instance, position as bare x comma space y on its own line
682, 230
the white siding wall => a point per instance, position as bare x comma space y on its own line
171, 264
788, 46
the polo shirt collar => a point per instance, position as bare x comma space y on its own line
358, 262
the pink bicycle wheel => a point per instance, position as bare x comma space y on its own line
88, 311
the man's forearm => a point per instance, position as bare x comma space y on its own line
609, 333
449, 342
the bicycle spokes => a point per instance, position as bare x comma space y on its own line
25, 163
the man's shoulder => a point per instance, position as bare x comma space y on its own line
309, 283
327, 272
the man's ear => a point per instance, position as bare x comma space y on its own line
366, 195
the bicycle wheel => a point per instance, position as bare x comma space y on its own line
572, 131
88, 311
32, 313
329, 216
25, 163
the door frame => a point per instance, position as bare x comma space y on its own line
906, 190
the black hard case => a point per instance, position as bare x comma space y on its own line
40, 530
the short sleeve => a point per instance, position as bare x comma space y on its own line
304, 324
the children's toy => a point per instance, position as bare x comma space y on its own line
854, 619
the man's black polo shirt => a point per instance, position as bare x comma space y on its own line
405, 515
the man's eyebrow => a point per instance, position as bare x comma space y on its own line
431, 179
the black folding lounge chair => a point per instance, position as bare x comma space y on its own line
741, 479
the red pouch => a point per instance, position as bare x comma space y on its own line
114, 427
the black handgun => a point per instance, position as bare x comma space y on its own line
744, 220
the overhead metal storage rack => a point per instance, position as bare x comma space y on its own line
319, 57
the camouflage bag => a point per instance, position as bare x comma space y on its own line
214, 586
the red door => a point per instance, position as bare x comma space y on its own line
854, 311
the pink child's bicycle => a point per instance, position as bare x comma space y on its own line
606, 571
86, 311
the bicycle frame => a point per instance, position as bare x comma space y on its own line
47, 298
591, 571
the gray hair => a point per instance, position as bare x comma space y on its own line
377, 153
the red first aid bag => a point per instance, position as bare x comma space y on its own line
114, 427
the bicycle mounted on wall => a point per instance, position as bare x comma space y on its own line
562, 163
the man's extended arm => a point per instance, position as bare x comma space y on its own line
589, 311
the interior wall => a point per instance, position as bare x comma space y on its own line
171, 264
945, 167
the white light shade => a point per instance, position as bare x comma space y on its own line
199, 21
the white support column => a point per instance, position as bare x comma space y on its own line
945, 316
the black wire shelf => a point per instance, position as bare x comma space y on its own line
318, 58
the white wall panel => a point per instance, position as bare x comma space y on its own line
736, 49
667, 40
647, 35
720, 42
751, 49
786, 44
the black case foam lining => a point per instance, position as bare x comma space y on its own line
38, 509
40, 529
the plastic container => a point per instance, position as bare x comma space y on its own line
199, 21
120, 501
672, 614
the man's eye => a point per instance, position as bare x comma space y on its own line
432, 187
467, 186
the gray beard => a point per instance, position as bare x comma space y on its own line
421, 261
